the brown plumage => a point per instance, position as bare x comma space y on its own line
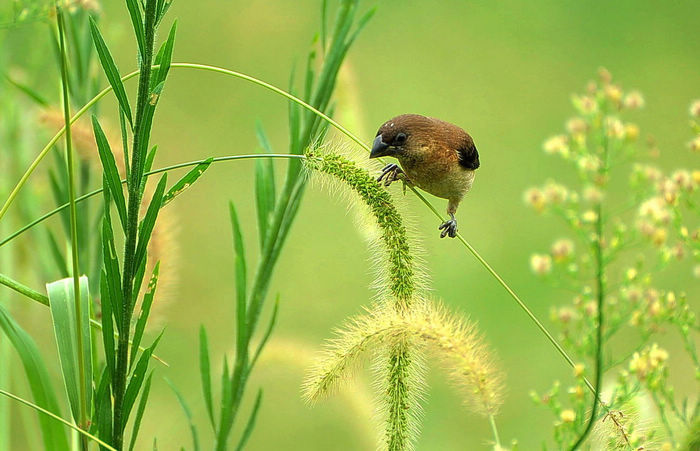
435, 156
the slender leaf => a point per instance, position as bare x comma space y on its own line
136, 379
111, 266
164, 57
205, 372
145, 310
111, 70
137, 22
57, 255
107, 325
186, 181
251, 422
149, 221
102, 419
268, 332
147, 166
111, 172
53, 435
62, 305
125, 144
141, 409
35, 96
188, 413
241, 280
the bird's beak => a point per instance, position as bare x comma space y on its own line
379, 148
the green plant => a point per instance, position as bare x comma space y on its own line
613, 276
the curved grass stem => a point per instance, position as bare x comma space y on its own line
340, 128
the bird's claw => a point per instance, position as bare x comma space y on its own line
449, 228
391, 173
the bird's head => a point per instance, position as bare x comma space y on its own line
400, 136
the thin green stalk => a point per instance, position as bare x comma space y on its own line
132, 219
82, 432
83, 421
494, 429
347, 133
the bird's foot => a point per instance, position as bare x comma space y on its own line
449, 228
391, 173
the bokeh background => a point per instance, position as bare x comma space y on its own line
503, 70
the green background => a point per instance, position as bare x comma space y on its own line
502, 70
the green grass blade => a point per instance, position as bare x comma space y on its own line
102, 420
107, 324
145, 311
53, 435
110, 170
136, 379
147, 166
140, 410
57, 255
149, 221
137, 22
264, 195
62, 305
250, 425
111, 266
241, 281
205, 372
35, 96
268, 332
188, 413
165, 57
186, 181
111, 70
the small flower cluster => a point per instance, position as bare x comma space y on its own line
604, 259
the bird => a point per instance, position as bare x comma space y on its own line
436, 156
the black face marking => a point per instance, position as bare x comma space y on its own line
469, 156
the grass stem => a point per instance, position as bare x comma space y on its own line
83, 420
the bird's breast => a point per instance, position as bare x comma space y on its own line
439, 178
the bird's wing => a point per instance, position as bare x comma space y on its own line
468, 155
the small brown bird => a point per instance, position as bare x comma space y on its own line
435, 156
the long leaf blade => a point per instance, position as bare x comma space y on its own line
139, 412
145, 311
136, 380
137, 22
188, 413
205, 372
186, 181
110, 170
149, 221
251, 422
241, 280
53, 435
111, 70
63, 313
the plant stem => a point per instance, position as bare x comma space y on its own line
494, 429
83, 420
132, 219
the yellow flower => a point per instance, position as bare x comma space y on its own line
535, 198
613, 93
541, 264
589, 216
695, 108
614, 126
576, 126
562, 249
631, 131
557, 145
578, 369
568, 416
634, 100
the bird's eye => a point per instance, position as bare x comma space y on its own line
400, 139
